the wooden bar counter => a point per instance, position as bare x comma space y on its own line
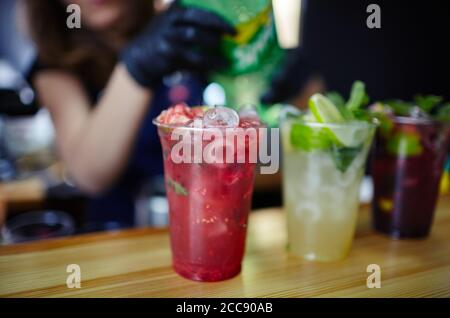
137, 263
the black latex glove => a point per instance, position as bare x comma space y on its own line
290, 80
177, 39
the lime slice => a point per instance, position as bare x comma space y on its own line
309, 118
327, 113
307, 138
286, 137
324, 110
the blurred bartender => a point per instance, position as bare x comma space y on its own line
102, 84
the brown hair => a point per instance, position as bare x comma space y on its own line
79, 51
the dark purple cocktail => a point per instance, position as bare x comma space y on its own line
408, 163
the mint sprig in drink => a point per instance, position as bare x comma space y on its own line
209, 201
324, 155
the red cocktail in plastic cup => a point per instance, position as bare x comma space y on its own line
208, 202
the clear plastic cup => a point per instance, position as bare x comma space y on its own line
408, 162
321, 185
208, 211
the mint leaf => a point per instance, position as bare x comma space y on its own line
177, 187
404, 144
339, 102
307, 138
358, 96
443, 113
363, 114
336, 98
347, 114
426, 103
400, 108
344, 156
385, 123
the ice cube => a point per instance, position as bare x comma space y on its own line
418, 113
331, 195
217, 228
248, 111
348, 177
220, 117
381, 108
308, 212
197, 122
311, 174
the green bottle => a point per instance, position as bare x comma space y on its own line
254, 53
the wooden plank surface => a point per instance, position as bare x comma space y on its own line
136, 263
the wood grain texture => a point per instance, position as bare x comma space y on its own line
136, 263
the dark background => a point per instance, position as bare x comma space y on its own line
409, 55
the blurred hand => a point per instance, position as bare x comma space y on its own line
291, 80
178, 39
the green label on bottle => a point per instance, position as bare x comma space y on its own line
253, 53
255, 44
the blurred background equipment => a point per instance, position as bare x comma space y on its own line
37, 225
287, 14
31, 179
28, 142
16, 56
152, 208
445, 182
14, 46
16, 96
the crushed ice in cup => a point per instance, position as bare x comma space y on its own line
418, 113
248, 111
381, 108
197, 122
220, 117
